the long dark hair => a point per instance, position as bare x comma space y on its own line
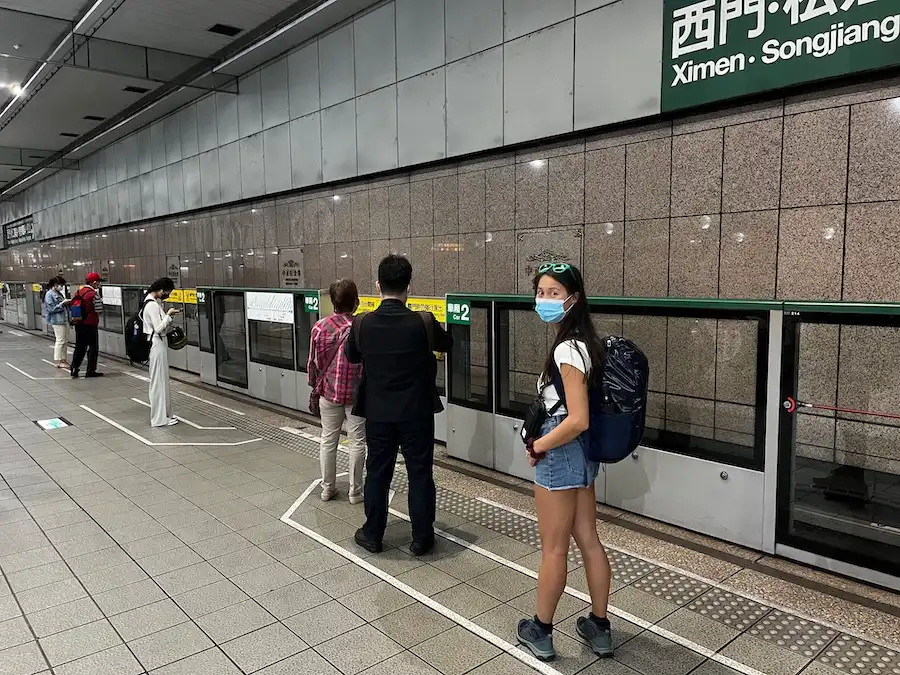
576, 325
164, 284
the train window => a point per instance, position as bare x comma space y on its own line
272, 344
190, 324
470, 360
132, 298
205, 321
304, 320
111, 314
523, 341
706, 394
229, 321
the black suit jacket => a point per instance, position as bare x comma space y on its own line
399, 368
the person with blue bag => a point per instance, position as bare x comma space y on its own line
56, 313
590, 409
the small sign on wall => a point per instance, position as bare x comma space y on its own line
173, 268
290, 267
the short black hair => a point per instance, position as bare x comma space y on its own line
164, 284
394, 274
344, 295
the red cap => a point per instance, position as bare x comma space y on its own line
92, 278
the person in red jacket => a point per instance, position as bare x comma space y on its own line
87, 328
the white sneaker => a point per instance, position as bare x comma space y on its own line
355, 497
328, 494
172, 422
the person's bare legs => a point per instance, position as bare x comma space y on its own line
596, 563
593, 629
556, 516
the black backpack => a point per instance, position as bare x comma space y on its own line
137, 345
618, 405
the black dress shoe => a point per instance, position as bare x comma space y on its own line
74, 374
422, 547
365, 543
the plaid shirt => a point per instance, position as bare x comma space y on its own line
336, 384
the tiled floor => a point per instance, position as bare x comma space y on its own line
125, 549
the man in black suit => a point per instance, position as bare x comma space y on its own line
398, 398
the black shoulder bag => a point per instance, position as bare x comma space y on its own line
536, 415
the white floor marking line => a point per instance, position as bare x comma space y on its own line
105, 366
723, 585
584, 597
474, 628
138, 377
188, 422
153, 444
197, 398
32, 377
17, 333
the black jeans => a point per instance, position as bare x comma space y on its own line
87, 340
416, 441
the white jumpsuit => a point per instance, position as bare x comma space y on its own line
156, 325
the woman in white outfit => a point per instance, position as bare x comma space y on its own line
157, 324
57, 314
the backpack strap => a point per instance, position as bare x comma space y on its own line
556, 381
357, 328
428, 320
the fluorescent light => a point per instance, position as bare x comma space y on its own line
64, 43
281, 31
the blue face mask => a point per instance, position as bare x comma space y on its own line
551, 310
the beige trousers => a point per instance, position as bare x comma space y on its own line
333, 416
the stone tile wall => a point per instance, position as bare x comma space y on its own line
796, 198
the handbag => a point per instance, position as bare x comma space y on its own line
535, 417
314, 396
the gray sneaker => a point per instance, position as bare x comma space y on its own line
600, 640
538, 641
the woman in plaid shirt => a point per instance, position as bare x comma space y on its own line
334, 381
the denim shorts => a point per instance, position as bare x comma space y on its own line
565, 467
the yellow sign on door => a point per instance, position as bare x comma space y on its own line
437, 306
190, 296
36, 288
176, 296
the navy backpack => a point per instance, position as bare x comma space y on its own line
618, 405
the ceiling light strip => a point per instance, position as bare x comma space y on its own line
61, 45
281, 31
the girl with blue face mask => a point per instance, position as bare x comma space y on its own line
564, 478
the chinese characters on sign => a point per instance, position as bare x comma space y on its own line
18, 233
459, 312
311, 304
290, 266
173, 269
720, 49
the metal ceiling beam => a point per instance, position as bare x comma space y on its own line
28, 158
135, 61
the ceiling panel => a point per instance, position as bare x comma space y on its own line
179, 26
8, 173
35, 35
60, 9
62, 104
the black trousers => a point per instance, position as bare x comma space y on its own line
87, 340
416, 441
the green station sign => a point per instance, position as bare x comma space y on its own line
311, 304
715, 50
459, 312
